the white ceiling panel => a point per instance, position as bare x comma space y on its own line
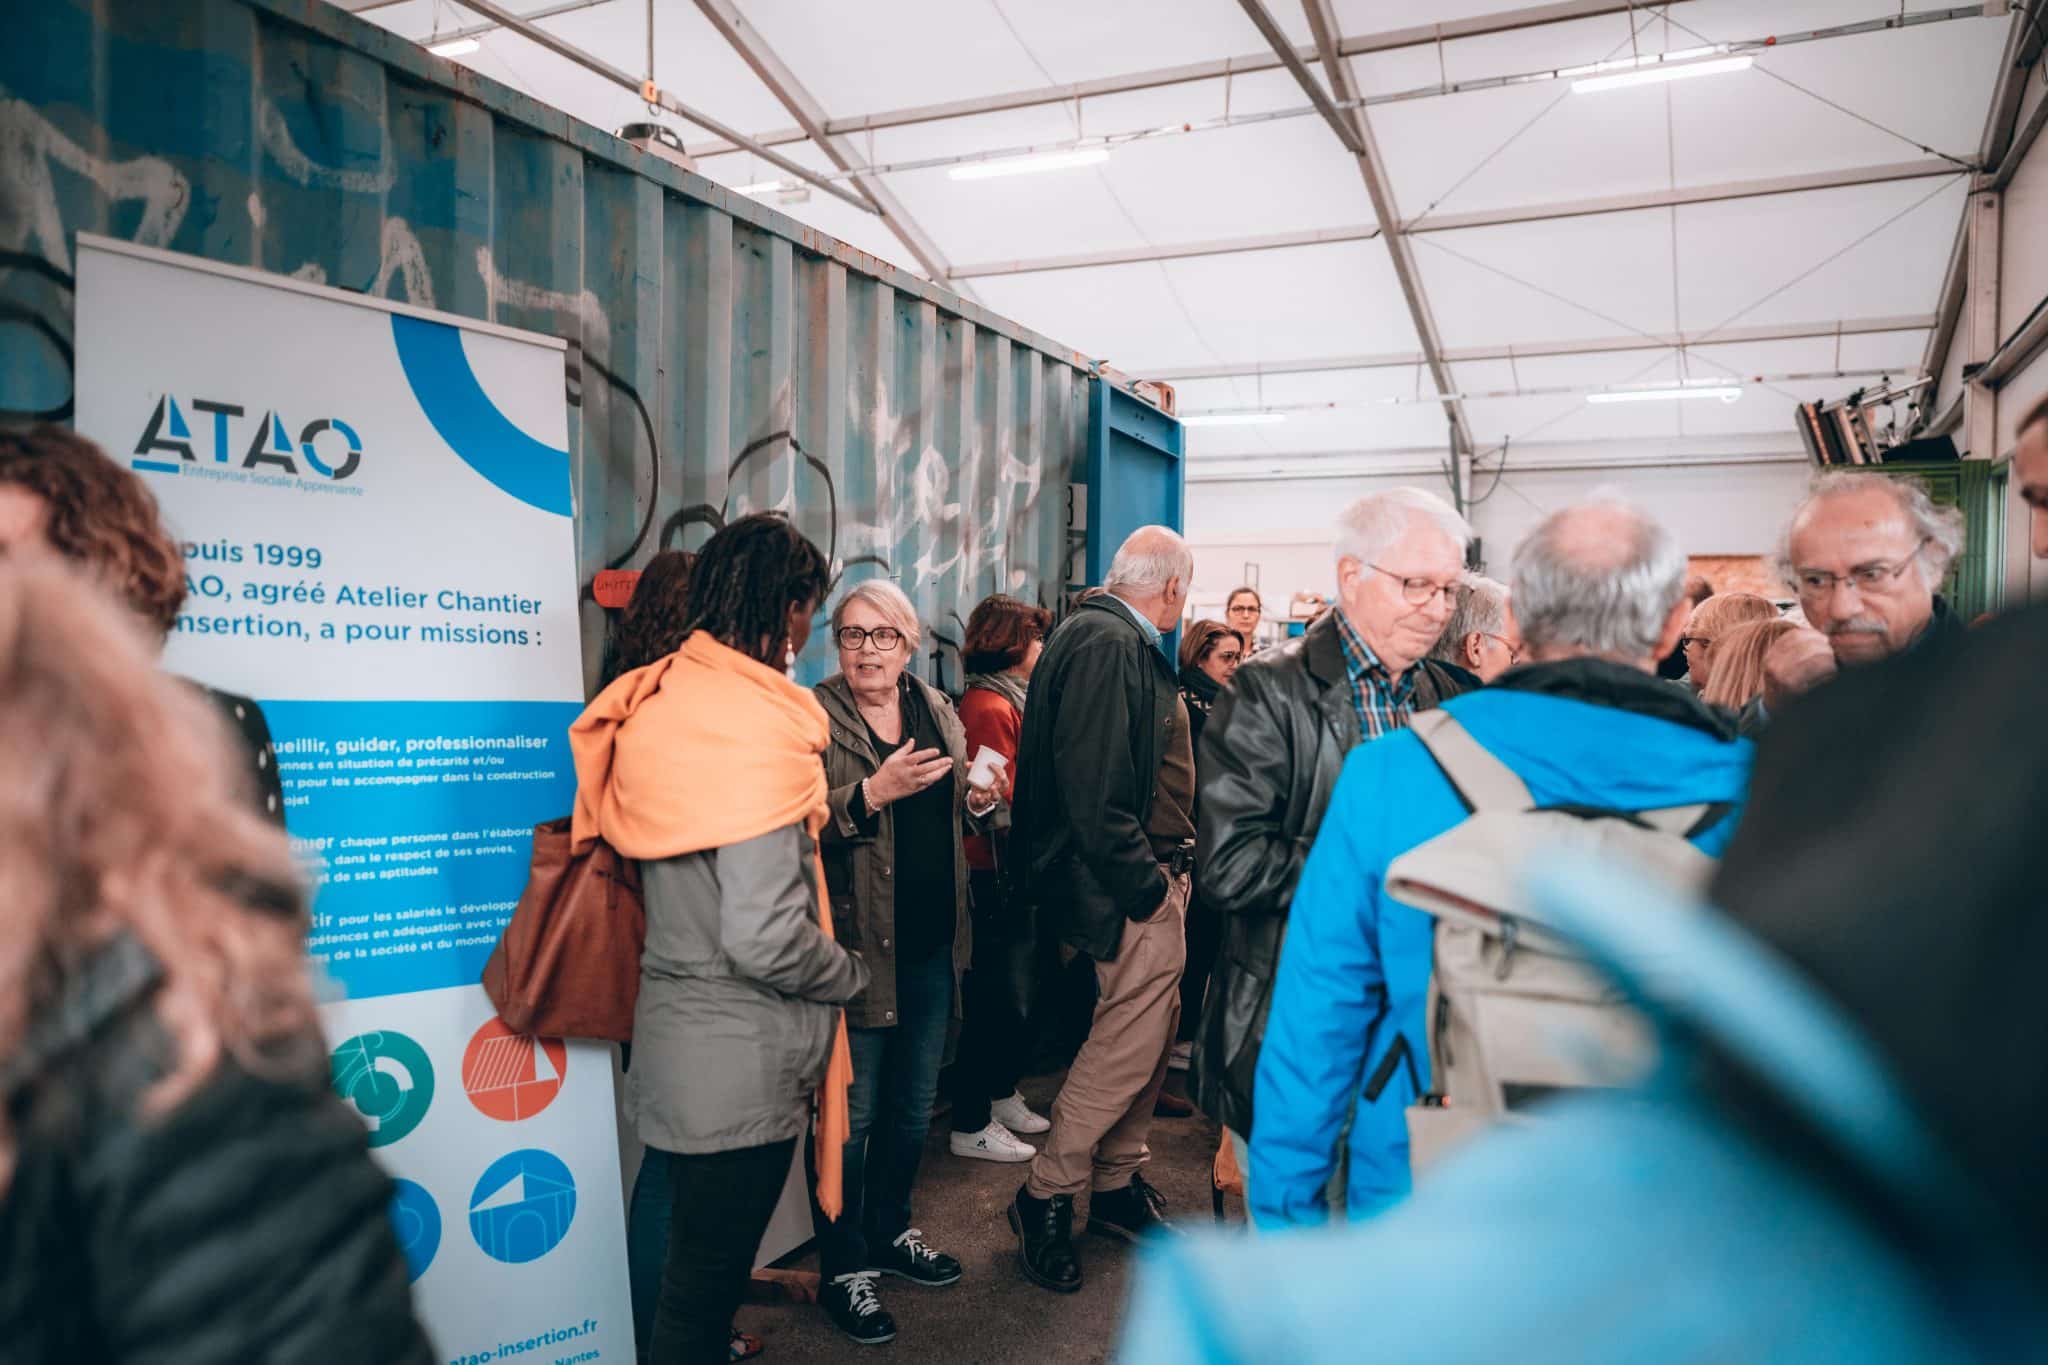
1760, 261
1554, 417
1302, 304
1078, 40
1550, 281
855, 58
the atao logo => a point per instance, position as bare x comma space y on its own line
270, 446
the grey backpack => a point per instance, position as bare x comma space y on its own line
1513, 1015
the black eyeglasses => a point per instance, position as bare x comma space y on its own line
1418, 591
1687, 641
1817, 584
886, 638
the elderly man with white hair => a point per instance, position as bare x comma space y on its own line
1103, 830
1274, 744
1480, 637
1866, 554
1598, 591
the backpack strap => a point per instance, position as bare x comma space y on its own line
1482, 781
1687, 822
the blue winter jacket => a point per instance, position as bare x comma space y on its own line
1659, 1225
1354, 971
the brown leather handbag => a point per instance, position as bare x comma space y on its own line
568, 965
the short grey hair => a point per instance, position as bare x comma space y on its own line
888, 599
1938, 528
1614, 601
1370, 526
1482, 609
1149, 559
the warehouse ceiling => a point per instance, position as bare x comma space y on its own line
1450, 241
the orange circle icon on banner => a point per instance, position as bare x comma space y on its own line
511, 1076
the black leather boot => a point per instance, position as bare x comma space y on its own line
1131, 1214
1045, 1240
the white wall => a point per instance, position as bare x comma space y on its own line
2022, 284
1283, 523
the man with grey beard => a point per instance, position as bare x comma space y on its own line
1866, 554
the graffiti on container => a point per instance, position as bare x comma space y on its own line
944, 518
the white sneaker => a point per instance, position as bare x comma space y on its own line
993, 1143
1178, 1059
1016, 1115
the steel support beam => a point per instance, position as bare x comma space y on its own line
1980, 398
1928, 168
1948, 308
782, 83
1417, 35
479, 30
1804, 331
2023, 47
1355, 133
598, 66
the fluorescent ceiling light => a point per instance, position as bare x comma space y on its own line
1661, 71
1727, 393
1232, 419
760, 187
455, 47
1030, 165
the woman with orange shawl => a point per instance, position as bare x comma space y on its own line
705, 766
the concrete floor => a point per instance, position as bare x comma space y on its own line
994, 1315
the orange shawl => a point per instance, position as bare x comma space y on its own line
702, 749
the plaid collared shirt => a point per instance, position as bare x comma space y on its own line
1383, 703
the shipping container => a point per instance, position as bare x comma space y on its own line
726, 358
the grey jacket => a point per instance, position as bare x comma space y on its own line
860, 863
739, 994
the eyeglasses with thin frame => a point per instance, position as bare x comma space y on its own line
1876, 576
1687, 641
1514, 650
886, 638
1418, 591
1243, 609
1229, 656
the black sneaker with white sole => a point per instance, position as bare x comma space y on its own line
909, 1258
856, 1309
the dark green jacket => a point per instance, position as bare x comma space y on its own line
860, 860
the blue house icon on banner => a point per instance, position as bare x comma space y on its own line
522, 1206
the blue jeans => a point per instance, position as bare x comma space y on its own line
889, 1114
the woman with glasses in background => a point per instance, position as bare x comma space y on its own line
1711, 620
896, 765
1242, 612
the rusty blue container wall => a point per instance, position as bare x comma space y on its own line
731, 359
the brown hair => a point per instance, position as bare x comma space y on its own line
1000, 630
653, 624
1200, 641
120, 816
1735, 677
1698, 588
101, 516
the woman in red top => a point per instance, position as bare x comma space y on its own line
1004, 639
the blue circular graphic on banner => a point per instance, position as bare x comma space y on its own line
521, 1207
388, 1079
417, 1221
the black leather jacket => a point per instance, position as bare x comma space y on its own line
246, 1223
1270, 757
1103, 703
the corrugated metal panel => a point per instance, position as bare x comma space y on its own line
734, 360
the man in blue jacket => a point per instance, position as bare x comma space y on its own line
1599, 595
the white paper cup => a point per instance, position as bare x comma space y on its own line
988, 764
